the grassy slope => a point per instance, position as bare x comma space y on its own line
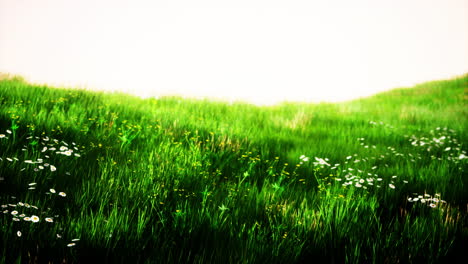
158, 175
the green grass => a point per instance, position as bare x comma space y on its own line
175, 180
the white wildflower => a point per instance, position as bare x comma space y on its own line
320, 161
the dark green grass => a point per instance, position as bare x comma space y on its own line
178, 180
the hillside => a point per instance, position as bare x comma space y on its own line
379, 179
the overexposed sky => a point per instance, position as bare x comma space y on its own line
261, 51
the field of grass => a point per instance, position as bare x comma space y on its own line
88, 177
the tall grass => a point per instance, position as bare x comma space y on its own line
121, 179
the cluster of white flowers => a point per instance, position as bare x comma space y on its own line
303, 158
318, 161
5, 136
367, 173
22, 211
321, 162
430, 200
441, 143
380, 123
17, 216
53, 191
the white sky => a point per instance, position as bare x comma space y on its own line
262, 51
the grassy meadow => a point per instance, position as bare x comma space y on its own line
89, 177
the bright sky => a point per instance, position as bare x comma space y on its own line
261, 51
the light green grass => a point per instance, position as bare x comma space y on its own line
178, 180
